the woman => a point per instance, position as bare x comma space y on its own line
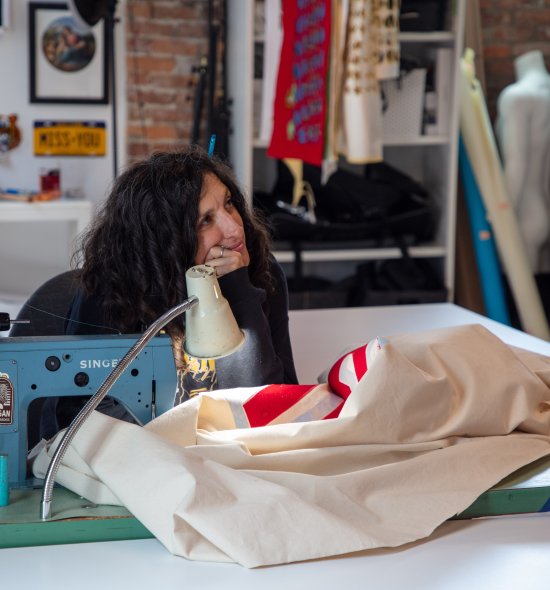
164, 215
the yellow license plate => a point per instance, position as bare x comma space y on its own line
67, 138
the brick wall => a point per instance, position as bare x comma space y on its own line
511, 28
165, 41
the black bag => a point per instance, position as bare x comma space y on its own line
422, 15
403, 280
313, 292
384, 204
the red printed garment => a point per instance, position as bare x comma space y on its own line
300, 98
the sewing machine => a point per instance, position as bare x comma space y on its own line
54, 366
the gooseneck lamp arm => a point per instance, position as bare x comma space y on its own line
93, 402
211, 331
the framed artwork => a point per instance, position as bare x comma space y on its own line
68, 62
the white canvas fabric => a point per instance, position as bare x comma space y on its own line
438, 418
366, 53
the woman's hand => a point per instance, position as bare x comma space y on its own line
223, 260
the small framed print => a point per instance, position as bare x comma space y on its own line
67, 62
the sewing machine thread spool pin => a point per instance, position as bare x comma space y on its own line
4, 488
6, 323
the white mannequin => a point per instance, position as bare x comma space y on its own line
523, 132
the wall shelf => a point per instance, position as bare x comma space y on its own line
358, 254
431, 160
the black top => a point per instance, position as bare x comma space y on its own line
266, 356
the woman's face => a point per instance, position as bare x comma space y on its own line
221, 242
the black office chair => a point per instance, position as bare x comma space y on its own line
46, 310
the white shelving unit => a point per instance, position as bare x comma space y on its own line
432, 160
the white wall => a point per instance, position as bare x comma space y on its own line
31, 253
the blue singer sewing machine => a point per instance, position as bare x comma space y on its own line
55, 366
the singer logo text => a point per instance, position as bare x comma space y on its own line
99, 363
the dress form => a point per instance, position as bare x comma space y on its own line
523, 133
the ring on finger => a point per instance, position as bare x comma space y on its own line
222, 249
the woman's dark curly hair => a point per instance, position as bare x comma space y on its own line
144, 238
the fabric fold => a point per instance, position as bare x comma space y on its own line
437, 419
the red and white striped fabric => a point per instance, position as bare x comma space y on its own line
348, 370
282, 404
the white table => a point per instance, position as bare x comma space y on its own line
77, 213
498, 554
320, 335
492, 554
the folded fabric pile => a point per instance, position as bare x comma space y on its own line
430, 422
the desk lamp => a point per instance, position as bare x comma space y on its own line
211, 331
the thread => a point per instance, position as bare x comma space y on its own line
212, 145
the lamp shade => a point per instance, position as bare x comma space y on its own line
211, 330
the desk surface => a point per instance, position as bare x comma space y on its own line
77, 212
493, 554
320, 335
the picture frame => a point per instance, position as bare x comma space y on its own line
67, 62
